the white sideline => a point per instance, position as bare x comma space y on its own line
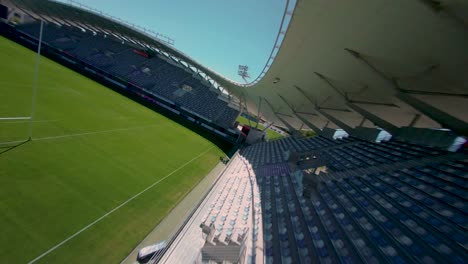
13, 142
92, 133
79, 134
16, 118
116, 208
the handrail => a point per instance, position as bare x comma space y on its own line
252, 189
154, 34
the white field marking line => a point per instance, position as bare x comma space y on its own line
36, 121
15, 118
118, 207
92, 133
13, 142
79, 134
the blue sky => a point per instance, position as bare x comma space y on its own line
220, 34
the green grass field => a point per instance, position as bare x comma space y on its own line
92, 150
271, 135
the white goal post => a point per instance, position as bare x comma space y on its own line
34, 93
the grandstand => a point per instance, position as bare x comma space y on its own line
382, 84
160, 76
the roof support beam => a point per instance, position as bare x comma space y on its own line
389, 127
286, 102
446, 120
258, 111
414, 120
434, 93
313, 102
358, 56
240, 105
306, 113
326, 115
289, 126
439, 7
371, 103
335, 120
392, 129
362, 121
304, 121
241, 108
278, 113
291, 129
309, 124
245, 107
345, 95
325, 79
336, 109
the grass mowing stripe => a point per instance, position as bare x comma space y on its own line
81, 134
116, 208
78, 134
35, 121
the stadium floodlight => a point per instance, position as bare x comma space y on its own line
243, 72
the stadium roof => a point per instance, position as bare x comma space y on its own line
423, 50
394, 62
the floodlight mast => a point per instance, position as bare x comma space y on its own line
243, 72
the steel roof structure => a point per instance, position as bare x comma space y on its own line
341, 64
354, 59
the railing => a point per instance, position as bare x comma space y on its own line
189, 217
133, 26
252, 188
287, 16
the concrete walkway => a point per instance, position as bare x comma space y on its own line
172, 221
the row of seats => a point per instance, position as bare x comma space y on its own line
232, 223
274, 151
403, 214
361, 154
230, 213
415, 214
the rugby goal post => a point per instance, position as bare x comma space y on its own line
13, 119
34, 93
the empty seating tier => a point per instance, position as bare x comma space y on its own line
392, 202
159, 75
